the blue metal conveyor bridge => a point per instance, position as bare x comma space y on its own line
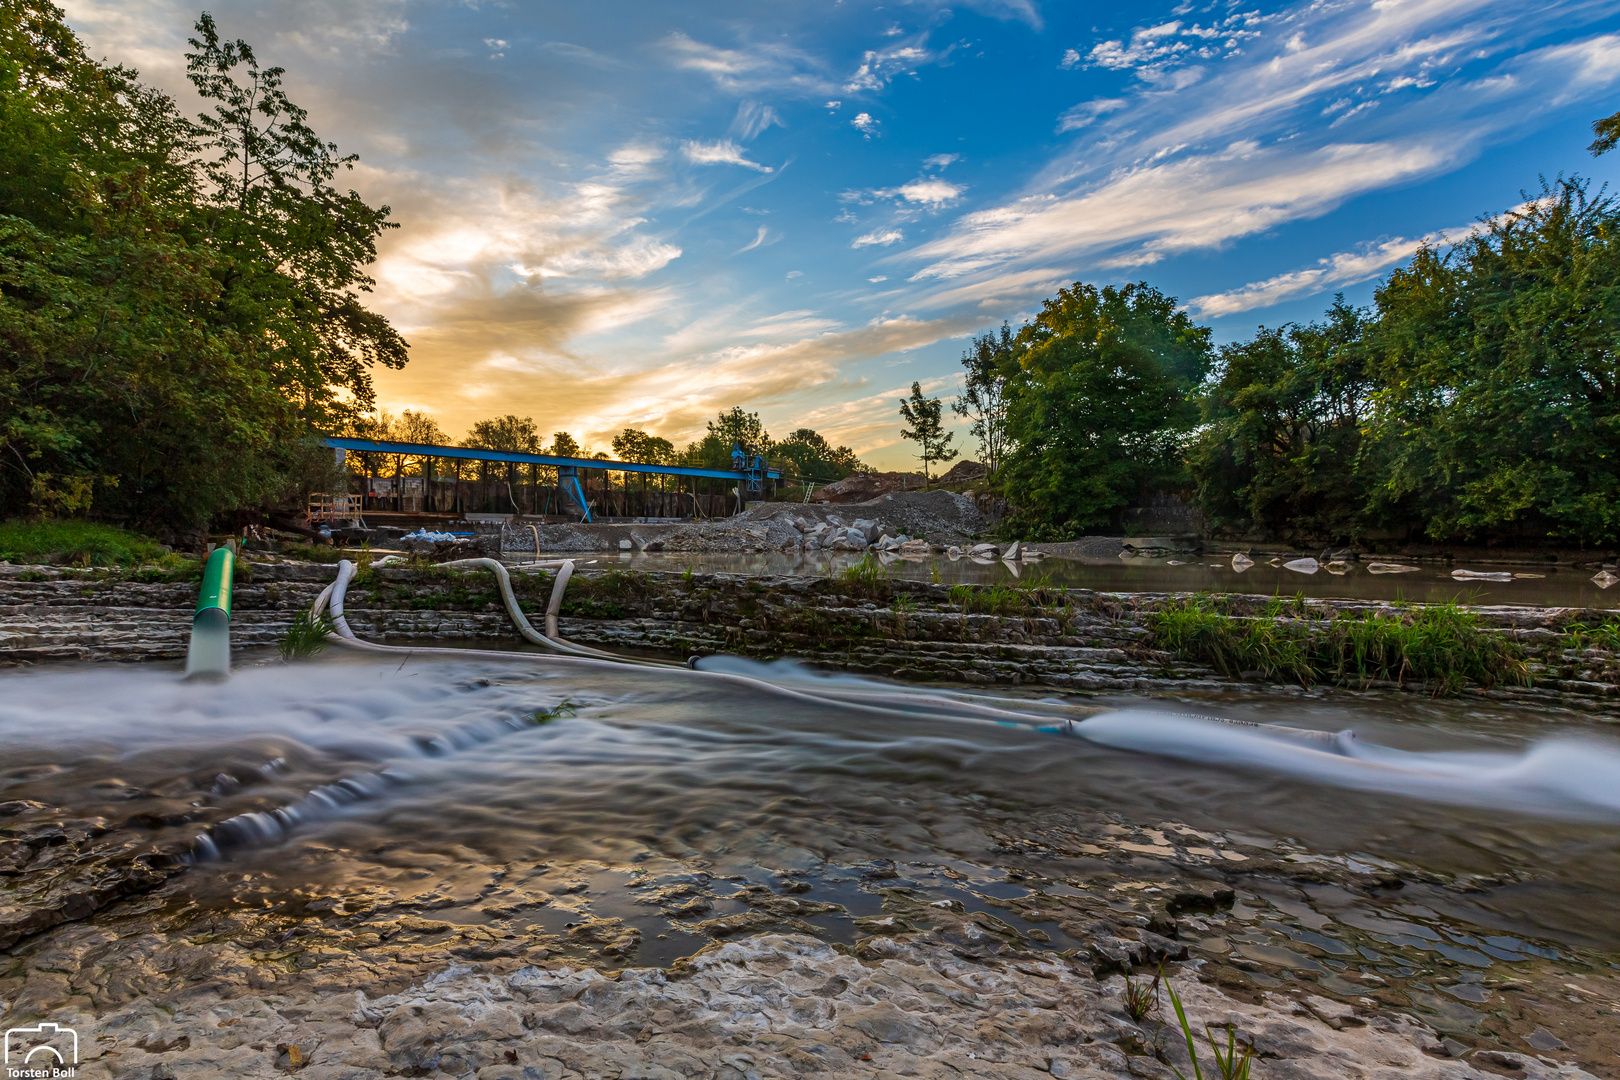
749, 471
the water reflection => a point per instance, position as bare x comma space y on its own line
1550, 586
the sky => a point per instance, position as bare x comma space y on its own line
641, 214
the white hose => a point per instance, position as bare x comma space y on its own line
344, 635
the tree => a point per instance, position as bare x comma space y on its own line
1607, 131
634, 445
989, 361
807, 455
923, 414
1281, 451
1497, 410
565, 445
295, 246
1101, 406
742, 428
165, 346
512, 434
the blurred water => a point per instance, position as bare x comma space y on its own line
448, 776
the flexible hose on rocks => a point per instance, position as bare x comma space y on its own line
858, 700
862, 699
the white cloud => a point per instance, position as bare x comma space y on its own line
753, 118
880, 238
864, 123
751, 69
1153, 50
761, 238
720, 152
880, 277
1087, 112
930, 192
1179, 205
940, 161
881, 65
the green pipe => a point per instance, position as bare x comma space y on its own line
216, 582
209, 654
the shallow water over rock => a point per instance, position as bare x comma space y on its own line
348, 821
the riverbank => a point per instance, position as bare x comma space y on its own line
865, 622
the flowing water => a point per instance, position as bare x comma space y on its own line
635, 815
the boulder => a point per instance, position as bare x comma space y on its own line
985, 551
914, 547
1014, 550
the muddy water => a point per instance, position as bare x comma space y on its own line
634, 816
1549, 586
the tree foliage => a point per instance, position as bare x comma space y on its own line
168, 345
1100, 406
806, 455
926, 430
988, 363
1280, 454
632, 444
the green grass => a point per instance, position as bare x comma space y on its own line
867, 577
990, 599
1604, 635
78, 543
306, 636
1441, 643
1228, 1066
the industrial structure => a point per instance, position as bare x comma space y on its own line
750, 472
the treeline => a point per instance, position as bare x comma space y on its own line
180, 299
804, 456
1477, 399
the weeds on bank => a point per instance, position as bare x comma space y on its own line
1441, 643
306, 636
79, 543
868, 576
1600, 636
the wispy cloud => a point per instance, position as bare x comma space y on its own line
752, 68
880, 238
1164, 171
865, 124
720, 152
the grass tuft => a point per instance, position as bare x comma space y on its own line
1441, 643
868, 576
1228, 1066
1142, 999
306, 636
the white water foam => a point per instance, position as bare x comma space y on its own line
1565, 777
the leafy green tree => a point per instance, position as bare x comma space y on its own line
513, 434
1497, 411
156, 353
1280, 452
743, 428
635, 445
565, 445
1100, 406
984, 392
295, 246
926, 430
807, 455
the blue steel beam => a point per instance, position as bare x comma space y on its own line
472, 453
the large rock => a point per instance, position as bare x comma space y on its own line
864, 486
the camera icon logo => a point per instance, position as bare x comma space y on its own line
44, 1047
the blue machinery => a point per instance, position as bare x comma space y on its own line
748, 471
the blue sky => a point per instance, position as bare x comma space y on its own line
640, 214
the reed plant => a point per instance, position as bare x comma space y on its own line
868, 577
1228, 1066
1438, 643
306, 636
